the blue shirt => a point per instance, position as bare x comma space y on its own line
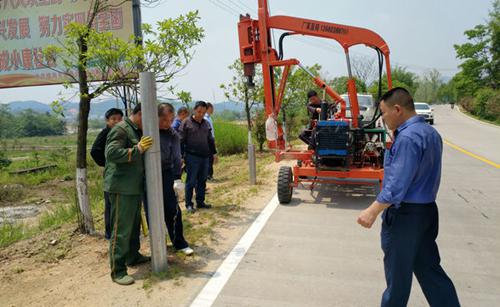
412, 166
208, 118
176, 124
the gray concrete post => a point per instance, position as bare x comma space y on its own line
252, 163
152, 161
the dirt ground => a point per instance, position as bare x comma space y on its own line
65, 268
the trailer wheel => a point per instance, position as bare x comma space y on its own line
285, 188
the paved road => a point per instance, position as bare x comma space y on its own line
312, 252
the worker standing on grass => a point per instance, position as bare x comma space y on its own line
124, 181
412, 169
170, 146
208, 118
113, 116
198, 144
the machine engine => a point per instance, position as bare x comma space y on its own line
339, 146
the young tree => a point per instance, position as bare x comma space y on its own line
294, 112
86, 55
400, 78
429, 86
364, 69
238, 91
185, 98
260, 128
480, 55
339, 85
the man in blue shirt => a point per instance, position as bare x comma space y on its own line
412, 172
182, 114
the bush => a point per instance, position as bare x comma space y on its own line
259, 128
230, 138
468, 104
487, 103
4, 161
11, 193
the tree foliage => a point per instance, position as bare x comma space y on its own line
481, 54
339, 85
29, 123
238, 91
429, 87
476, 85
295, 98
401, 77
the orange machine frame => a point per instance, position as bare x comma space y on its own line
255, 47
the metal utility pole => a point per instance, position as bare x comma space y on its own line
152, 162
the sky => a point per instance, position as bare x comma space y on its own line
420, 35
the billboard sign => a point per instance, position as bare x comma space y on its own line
28, 26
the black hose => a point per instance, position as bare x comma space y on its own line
377, 114
280, 45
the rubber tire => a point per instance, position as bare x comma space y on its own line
285, 188
431, 122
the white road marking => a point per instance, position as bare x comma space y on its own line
211, 291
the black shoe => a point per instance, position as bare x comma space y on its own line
190, 209
203, 206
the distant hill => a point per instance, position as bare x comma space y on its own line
97, 109
18, 106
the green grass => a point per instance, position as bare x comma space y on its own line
10, 233
17, 188
27, 143
231, 138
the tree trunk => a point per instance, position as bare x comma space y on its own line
87, 222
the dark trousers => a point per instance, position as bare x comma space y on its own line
173, 214
124, 243
210, 167
307, 136
197, 172
408, 240
171, 210
107, 216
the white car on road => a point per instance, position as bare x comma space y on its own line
423, 109
366, 106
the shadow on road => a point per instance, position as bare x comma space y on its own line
352, 197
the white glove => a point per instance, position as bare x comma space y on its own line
179, 186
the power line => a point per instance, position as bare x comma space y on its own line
227, 10
249, 8
238, 6
235, 11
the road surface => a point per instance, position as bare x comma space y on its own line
313, 253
